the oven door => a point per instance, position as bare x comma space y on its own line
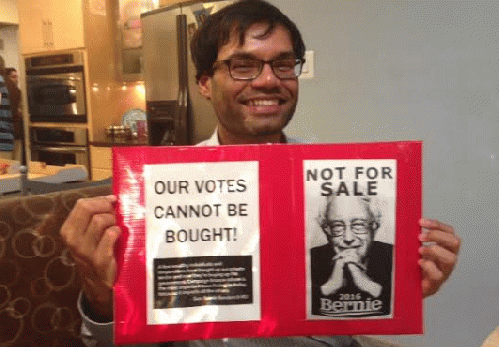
61, 156
57, 98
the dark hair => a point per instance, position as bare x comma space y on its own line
238, 17
9, 70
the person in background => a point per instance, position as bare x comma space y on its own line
248, 58
12, 81
6, 124
12, 74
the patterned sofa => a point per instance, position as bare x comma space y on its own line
38, 282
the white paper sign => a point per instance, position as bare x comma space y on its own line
350, 231
202, 242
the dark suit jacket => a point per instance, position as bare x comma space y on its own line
346, 300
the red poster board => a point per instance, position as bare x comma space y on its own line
244, 241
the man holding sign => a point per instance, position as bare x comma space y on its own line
248, 58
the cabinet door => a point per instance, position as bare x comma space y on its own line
100, 160
66, 24
101, 174
32, 26
163, 3
50, 25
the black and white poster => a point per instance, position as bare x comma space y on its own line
202, 242
350, 236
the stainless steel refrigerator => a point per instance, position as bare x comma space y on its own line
176, 113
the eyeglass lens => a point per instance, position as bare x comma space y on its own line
339, 228
250, 68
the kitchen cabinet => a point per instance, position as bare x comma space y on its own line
164, 3
8, 14
50, 25
101, 162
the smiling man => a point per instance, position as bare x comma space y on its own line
254, 88
248, 58
252, 80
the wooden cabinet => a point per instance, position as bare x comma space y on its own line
101, 162
8, 14
50, 25
164, 3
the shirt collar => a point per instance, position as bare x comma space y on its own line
214, 141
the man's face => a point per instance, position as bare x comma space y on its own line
351, 215
14, 77
254, 110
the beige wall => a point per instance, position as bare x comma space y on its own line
10, 52
111, 100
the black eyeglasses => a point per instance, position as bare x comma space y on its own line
248, 69
338, 228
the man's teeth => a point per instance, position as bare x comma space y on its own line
263, 102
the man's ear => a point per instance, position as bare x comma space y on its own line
204, 84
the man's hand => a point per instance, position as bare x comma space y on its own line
90, 232
363, 282
439, 257
335, 282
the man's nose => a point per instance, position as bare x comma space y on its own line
266, 79
348, 237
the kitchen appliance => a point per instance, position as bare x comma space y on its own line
60, 146
176, 113
55, 86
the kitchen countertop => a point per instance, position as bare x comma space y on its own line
10, 181
107, 141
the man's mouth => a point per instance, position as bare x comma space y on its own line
265, 107
272, 102
342, 248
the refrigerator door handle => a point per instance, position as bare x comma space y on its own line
169, 135
172, 136
182, 111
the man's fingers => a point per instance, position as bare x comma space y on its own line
350, 256
97, 227
80, 217
449, 241
99, 280
443, 258
440, 233
105, 248
435, 224
85, 208
432, 277
84, 233
439, 254
431, 271
105, 261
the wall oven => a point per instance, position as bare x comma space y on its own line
60, 146
55, 87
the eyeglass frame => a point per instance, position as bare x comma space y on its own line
227, 62
369, 226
